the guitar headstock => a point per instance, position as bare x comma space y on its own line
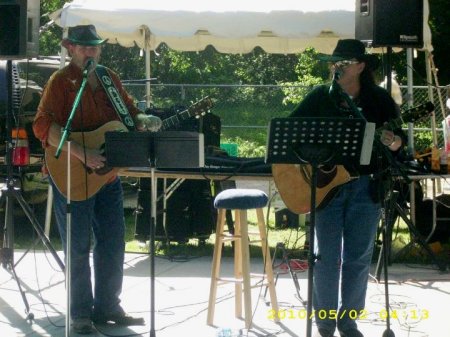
200, 107
417, 112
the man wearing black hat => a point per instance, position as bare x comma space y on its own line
346, 225
102, 212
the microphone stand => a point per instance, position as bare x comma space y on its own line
336, 89
64, 137
66, 132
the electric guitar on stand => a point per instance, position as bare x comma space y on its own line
293, 181
85, 182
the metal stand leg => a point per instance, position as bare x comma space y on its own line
7, 252
285, 260
386, 217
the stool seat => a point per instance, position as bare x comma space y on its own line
241, 199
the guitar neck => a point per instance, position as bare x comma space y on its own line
410, 115
176, 119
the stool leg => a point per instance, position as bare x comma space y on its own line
267, 261
237, 265
215, 270
246, 268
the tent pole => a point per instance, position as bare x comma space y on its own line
410, 97
148, 96
430, 96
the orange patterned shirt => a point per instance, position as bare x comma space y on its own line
94, 109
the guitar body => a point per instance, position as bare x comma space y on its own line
293, 182
84, 181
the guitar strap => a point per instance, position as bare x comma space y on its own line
114, 97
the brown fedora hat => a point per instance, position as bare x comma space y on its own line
349, 49
85, 35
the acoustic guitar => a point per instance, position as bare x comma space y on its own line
293, 181
85, 182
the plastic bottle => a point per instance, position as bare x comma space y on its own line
443, 162
227, 332
21, 149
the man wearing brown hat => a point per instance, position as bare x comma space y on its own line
346, 225
100, 212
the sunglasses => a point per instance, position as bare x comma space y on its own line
344, 63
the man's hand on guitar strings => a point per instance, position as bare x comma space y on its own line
92, 158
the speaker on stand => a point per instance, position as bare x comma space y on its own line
16, 32
389, 23
19, 29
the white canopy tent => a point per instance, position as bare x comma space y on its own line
233, 26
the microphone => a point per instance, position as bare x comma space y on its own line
335, 88
337, 74
87, 68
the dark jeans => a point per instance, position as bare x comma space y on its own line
102, 215
345, 237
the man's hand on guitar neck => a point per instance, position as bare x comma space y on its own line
389, 139
148, 122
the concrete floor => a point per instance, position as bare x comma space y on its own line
419, 300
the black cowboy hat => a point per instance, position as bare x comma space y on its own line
85, 35
349, 49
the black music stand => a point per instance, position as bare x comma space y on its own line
168, 149
317, 141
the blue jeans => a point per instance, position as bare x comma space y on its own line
345, 236
102, 215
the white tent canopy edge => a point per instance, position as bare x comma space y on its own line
282, 26
232, 26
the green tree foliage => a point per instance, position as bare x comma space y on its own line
440, 28
50, 35
310, 72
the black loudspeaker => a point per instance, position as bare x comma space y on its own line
19, 28
189, 212
390, 23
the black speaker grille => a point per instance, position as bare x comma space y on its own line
16, 93
395, 23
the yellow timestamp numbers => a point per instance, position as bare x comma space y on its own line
413, 314
322, 314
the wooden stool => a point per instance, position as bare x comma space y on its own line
239, 201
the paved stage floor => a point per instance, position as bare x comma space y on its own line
419, 300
